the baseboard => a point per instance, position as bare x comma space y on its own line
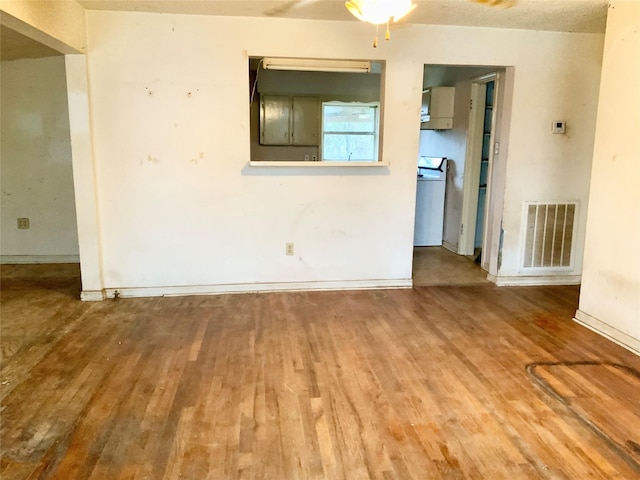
534, 280
31, 259
450, 246
92, 295
130, 292
592, 323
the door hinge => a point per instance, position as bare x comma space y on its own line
462, 229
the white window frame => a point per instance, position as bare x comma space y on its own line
375, 133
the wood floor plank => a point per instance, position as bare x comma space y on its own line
430, 382
589, 390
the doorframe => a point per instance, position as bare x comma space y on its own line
470, 189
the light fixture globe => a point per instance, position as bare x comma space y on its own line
379, 11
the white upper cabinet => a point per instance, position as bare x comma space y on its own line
437, 108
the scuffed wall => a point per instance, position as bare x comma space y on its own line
610, 294
37, 179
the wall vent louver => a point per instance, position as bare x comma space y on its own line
549, 235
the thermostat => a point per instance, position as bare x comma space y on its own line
559, 126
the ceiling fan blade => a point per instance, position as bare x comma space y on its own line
285, 7
496, 3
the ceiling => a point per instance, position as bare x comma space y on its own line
14, 46
585, 16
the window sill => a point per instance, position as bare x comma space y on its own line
295, 163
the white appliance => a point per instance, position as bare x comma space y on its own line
432, 174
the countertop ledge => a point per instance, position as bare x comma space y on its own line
295, 163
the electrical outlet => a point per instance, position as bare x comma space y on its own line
306, 157
314, 158
23, 224
288, 248
559, 126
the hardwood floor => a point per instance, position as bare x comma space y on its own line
439, 266
424, 383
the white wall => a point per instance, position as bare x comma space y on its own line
610, 293
179, 207
37, 180
559, 80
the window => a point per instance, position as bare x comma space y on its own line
350, 131
315, 111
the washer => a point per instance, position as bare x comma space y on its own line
429, 223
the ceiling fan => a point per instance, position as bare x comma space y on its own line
496, 3
378, 12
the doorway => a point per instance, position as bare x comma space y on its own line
473, 183
38, 210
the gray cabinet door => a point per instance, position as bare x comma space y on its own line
305, 122
275, 124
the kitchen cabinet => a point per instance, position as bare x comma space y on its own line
275, 117
305, 120
289, 120
437, 108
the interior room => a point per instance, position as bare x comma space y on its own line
304, 239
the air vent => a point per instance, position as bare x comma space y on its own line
549, 235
